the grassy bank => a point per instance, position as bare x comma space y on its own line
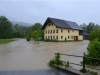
4, 41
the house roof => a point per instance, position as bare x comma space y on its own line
62, 23
86, 34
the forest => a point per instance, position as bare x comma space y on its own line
8, 31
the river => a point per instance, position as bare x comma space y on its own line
23, 55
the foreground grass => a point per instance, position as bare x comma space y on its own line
4, 41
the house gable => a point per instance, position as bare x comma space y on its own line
50, 26
47, 22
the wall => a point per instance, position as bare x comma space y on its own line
81, 37
51, 27
65, 33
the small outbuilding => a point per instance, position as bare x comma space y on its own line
86, 35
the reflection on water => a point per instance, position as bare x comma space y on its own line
23, 55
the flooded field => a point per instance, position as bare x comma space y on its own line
23, 55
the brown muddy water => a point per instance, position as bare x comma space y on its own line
23, 55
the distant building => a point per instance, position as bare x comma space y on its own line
58, 29
86, 35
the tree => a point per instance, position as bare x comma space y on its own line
19, 31
37, 26
35, 31
95, 34
90, 27
29, 31
5, 28
94, 48
93, 51
84, 27
96, 27
36, 36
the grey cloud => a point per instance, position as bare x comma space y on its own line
38, 11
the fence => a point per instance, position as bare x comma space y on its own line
83, 61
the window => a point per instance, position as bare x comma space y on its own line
56, 37
53, 31
61, 30
53, 37
57, 31
52, 23
72, 37
72, 30
48, 31
68, 37
45, 31
68, 31
61, 37
48, 37
49, 24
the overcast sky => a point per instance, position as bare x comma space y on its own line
31, 11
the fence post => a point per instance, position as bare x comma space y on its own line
83, 64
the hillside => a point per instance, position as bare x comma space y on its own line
21, 23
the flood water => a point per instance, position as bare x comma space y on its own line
23, 55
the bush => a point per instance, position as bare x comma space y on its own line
95, 34
28, 38
93, 48
93, 51
56, 62
51, 63
67, 64
57, 59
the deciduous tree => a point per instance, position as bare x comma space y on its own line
5, 28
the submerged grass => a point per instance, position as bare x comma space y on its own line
4, 41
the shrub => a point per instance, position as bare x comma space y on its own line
28, 38
67, 64
95, 34
93, 51
56, 62
52, 62
57, 59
